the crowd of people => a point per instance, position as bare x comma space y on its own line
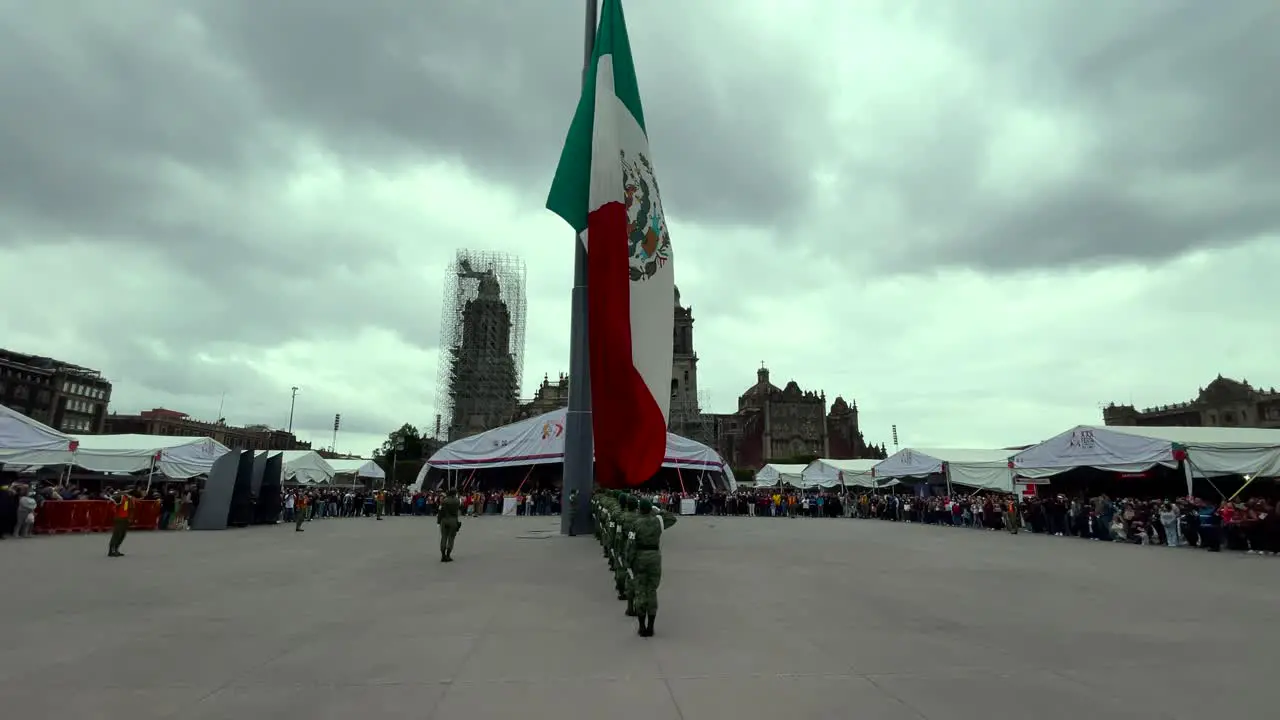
1251, 525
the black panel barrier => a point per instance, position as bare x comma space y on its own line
215, 499
259, 464
267, 510
242, 494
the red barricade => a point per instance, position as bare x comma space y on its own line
146, 515
68, 516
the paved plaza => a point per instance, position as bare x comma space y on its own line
761, 618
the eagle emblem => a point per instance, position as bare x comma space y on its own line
648, 243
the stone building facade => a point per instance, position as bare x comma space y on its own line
789, 423
771, 423
1222, 403
161, 421
550, 395
66, 397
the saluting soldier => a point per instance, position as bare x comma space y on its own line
647, 563
123, 516
448, 517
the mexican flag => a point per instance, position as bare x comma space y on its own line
606, 189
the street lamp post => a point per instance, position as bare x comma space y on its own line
293, 400
396, 448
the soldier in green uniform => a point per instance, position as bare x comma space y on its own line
595, 516
573, 511
629, 556
647, 563
621, 569
611, 512
448, 517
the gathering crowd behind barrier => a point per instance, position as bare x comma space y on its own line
1251, 525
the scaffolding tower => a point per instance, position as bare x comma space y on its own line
481, 342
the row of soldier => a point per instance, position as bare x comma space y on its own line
630, 529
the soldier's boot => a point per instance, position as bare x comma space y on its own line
648, 631
640, 630
444, 556
631, 609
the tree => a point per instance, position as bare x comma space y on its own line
407, 449
406, 442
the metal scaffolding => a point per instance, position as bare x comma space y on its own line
481, 342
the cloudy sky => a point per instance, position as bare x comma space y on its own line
978, 218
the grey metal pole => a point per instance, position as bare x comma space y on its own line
292, 402
579, 450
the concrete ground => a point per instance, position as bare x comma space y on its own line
760, 619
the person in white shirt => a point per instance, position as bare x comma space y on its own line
26, 514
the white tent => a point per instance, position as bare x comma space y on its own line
982, 469
358, 467
1208, 451
305, 467
540, 441
177, 457
772, 475
24, 441
826, 472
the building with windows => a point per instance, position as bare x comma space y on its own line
160, 421
1222, 403
771, 423
63, 396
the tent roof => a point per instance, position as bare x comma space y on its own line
829, 472
1210, 451
860, 465
540, 441
358, 467
967, 456
1186, 436
180, 456
141, 443
780, 474
979, 468
24, 440
305, 466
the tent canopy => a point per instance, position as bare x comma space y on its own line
24, 441
1209, 451
983, 469
177, 457
540, 441
305, 466
827, 472
776, 475
358, 467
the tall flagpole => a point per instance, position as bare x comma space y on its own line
579, 452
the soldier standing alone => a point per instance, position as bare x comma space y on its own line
448, 517
120, 523
647, 563
300, 504
573, 511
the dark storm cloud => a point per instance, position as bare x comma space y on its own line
99, 102
126, 122
496, 90
1183, 101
